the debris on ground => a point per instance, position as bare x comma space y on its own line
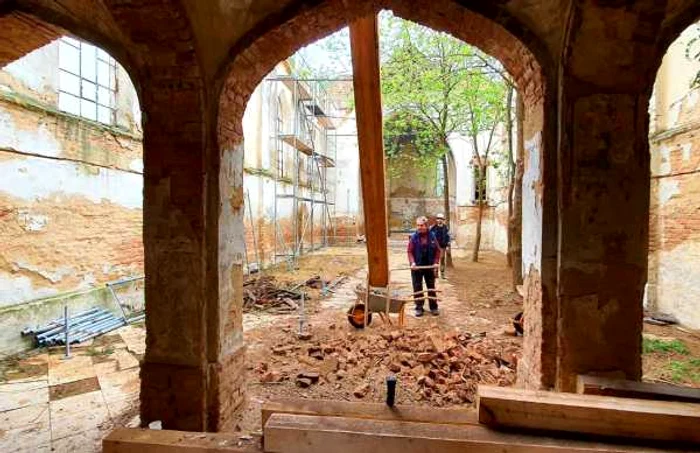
266, 293
433, 366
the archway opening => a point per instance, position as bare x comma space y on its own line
284, 346
71, 160
671, 296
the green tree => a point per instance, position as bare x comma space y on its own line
445, 83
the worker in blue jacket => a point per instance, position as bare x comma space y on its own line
442, 233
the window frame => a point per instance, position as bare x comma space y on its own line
83, 98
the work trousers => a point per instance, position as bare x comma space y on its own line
417, 278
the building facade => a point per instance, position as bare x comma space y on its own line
674, 224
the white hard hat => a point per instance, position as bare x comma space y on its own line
440, 216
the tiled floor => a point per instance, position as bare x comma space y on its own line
52, 404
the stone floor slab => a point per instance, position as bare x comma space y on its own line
84, 442
77, 414
25, 429
135, 339
15, 395
76, 368
120, 385
125, 359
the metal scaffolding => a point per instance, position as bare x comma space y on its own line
310, 136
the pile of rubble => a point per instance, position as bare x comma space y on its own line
265, 293
440, 368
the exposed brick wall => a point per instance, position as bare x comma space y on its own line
674, 219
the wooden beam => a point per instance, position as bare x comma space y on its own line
288, 433
589, 414
126, 440
373, 411
364, 45
595, 385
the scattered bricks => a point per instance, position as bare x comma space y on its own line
271, 376
282, 350
437, 343
303, 382
311, 376
394, 367
305, 336
340, 374
426, 357
361, 391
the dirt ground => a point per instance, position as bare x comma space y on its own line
437, 360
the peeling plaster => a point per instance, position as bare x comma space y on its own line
26, 179
668, 188
31, 222
532, 205
54, 277
40, 140
15, 289
686, 149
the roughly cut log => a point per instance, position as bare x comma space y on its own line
375, 411
589, 414
125, 440
288, 433
595, 385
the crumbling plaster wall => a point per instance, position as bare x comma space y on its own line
71, 192
674, 239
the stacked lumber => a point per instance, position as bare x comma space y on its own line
296, 426
596, 385
605, 416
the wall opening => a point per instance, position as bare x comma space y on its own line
322, 362
672, 294
71, 221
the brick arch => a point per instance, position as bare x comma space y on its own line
669, 33
487, 27
155, 42
26, 28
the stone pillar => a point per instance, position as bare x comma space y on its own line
604, 171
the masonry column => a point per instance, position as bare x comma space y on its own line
604, 194
365, 61
192, 371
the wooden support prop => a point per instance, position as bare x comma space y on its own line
372, 411
595, 385
589, 414
126, 440
364, 45
288, 433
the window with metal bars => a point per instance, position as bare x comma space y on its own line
87, 81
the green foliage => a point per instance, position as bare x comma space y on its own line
652, 345
410, 140
684, 370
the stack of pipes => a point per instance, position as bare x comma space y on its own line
81, 327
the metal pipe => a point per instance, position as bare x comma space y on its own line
65, 318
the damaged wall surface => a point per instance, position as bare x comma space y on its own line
70, 196
674, 239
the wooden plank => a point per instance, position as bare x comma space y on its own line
126, 440
364, 45
373, 411
590, 414
596, 385
288, 433
297, 143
